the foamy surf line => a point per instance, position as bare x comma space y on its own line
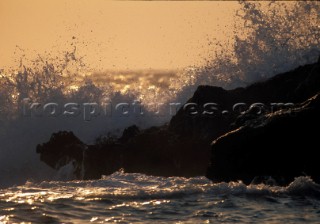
123, 197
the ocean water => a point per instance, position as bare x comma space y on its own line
137, 198
269, 38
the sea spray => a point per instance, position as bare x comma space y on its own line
268, 38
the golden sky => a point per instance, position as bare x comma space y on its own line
115, 34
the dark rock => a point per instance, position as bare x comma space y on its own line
182, 148
89, 161
290, 87
129, 133
281, 144
62, 148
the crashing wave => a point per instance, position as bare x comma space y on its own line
269, 38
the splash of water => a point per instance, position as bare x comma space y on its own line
269, 37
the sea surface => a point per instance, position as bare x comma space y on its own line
137, 198
280, 36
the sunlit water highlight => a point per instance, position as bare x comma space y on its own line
128, 198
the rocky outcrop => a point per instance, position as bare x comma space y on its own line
290, 87
281, 145
62, 148
154, 151
89, 161
182, 148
